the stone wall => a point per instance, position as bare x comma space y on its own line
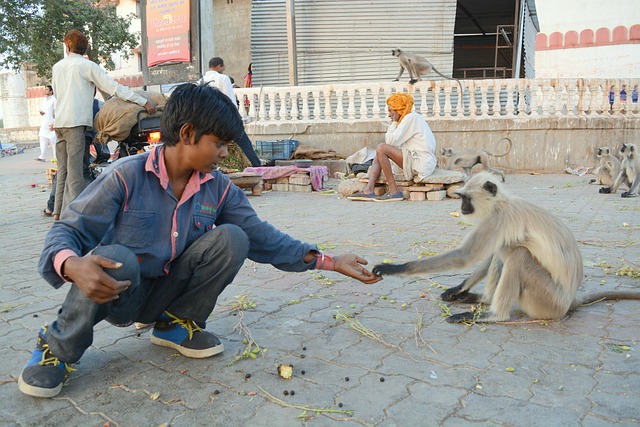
545, 144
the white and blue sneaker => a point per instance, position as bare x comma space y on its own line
185, 336
44, 374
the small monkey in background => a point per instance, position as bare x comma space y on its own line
417, 66
608, 168
629, 172
527, 254
467, 159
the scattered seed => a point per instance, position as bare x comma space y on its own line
292, 392
340, 405
302, 356
302, 372
381, 379
216, 392
35, 315
286, 393
346, 378
304, 348
247, 376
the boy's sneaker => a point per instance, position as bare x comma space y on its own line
185, 336
45, 373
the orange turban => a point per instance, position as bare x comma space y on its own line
402, 103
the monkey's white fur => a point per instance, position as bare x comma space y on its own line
608, 167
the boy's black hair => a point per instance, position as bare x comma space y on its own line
209, 110
50, 88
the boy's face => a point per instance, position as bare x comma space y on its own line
205, 155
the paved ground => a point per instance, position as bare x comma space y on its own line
396, 362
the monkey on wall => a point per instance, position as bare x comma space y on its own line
467, 159
608, 168
527, 255
629, 174
417, 66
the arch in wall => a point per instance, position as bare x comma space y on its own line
619, 34
542, 41
587, 37
603, 36
555, 40
571, 39
634, 32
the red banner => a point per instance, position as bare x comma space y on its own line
168, 24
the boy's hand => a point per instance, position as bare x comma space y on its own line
353, 266
88, 274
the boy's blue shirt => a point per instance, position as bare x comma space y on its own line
128, 205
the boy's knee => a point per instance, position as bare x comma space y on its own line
234, 237
130, 269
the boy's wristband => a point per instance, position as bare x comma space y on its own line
324, 261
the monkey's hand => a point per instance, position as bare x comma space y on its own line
461, 317
453, 294
592, 181
391, 269
605, 190
395, 80
629, 194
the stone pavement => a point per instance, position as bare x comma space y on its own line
393, 362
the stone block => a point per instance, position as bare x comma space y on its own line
350, 186
417, 196
442, 176
436, 196
280, 187
300, 179
283, 180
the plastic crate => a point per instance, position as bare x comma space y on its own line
276, 150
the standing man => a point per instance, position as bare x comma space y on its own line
47, 134
74, 80
215, 78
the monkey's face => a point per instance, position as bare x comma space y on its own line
395, 52
447, 152
479, 196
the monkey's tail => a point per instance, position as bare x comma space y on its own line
507, 150
604, 296
448, 78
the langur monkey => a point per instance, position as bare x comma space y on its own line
467, 159
608, 168
629, 172
417, 66
527, 255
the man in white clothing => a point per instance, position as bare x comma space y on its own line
409, 148
74, 80
215, 78
47, 134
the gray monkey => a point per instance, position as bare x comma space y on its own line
417, 66
608, 168
467, 159
528, 256
629, 172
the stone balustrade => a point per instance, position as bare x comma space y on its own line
441, 99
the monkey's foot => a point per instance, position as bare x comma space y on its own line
592, 181
462, 317
627, 194
605, 190
413, 81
